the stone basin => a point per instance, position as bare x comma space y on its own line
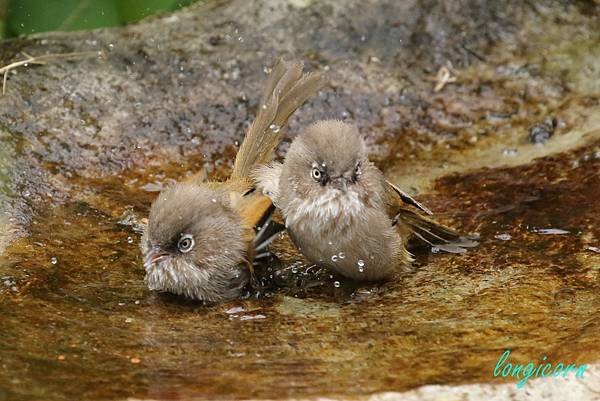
86, 143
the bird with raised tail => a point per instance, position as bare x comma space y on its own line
202, 238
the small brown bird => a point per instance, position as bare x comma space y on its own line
341, 212
201, 240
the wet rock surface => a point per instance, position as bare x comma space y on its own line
84, 145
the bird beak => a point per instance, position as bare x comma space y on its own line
154, 255
340, 183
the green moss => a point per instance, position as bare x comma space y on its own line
134, 10
31, 16
24, 17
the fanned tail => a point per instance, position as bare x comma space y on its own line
433, 233
286, 90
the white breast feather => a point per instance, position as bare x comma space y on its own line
333, 207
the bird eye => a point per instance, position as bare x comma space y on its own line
357, 172
186, 243
316, 174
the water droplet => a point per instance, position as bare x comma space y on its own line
330, 243
334, 258
275, 128
130, 240
236, 143
111, 46
341, 255
252, 317
361, 265
54, 260
336, 284
235, 309
503, 237
551, 231
213, 200
509, 152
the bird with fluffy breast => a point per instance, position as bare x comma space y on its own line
342, 213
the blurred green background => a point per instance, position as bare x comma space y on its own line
24, 17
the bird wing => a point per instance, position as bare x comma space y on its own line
423, 229
253, 208
256, 211
406, 198
285, 91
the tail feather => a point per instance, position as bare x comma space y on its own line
302, 90
292, 72
276, 80
435, 234
286, 90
